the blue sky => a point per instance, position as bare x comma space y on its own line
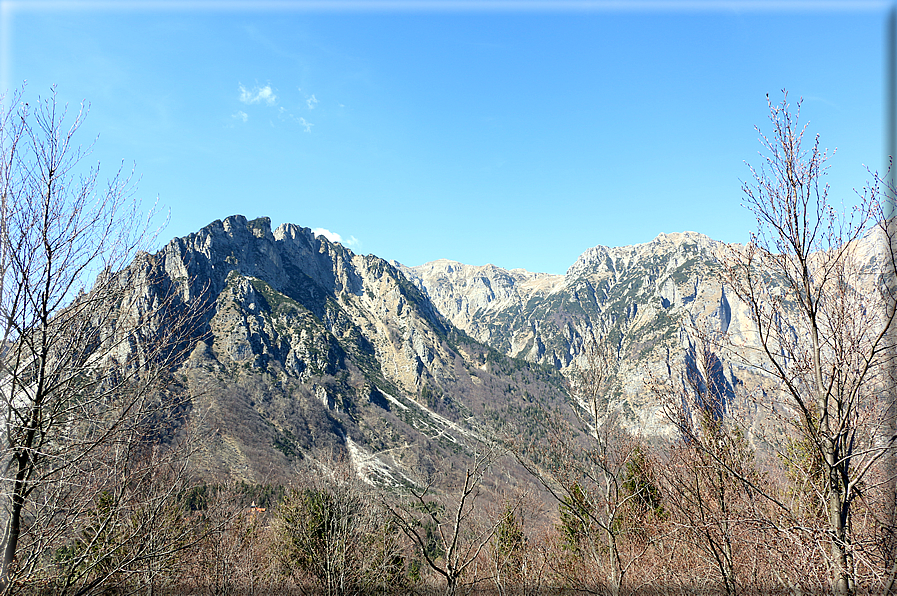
509, 133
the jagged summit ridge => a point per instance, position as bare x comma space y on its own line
251, 248
307, 346
642, 299
612, 258
515, 310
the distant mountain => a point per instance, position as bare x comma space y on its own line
642, 298
650, 301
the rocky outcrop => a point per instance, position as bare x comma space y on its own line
652, 303
646, 300
305, 346
470, 297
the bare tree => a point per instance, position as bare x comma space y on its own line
820, 303
87, 336
237, 550
117, 534
595, 471
448, 528
518, 554
709, 474
508, 547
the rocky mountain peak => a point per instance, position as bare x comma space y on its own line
642, 299
610, 260
305, 345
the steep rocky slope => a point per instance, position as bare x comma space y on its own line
647, 300
650, 302
307, 347
473, 298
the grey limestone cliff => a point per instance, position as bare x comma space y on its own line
305, 346
645, 300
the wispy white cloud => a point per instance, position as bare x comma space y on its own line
334, 237
285, 115
258, 95
266, 95
303, 122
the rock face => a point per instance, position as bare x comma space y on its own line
645, 299
473, 298
306, 346
652, 303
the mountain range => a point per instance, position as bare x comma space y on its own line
306, 347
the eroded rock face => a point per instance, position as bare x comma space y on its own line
544, 317
648, 301
270, 289
471, 296
306, 346
652, 303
